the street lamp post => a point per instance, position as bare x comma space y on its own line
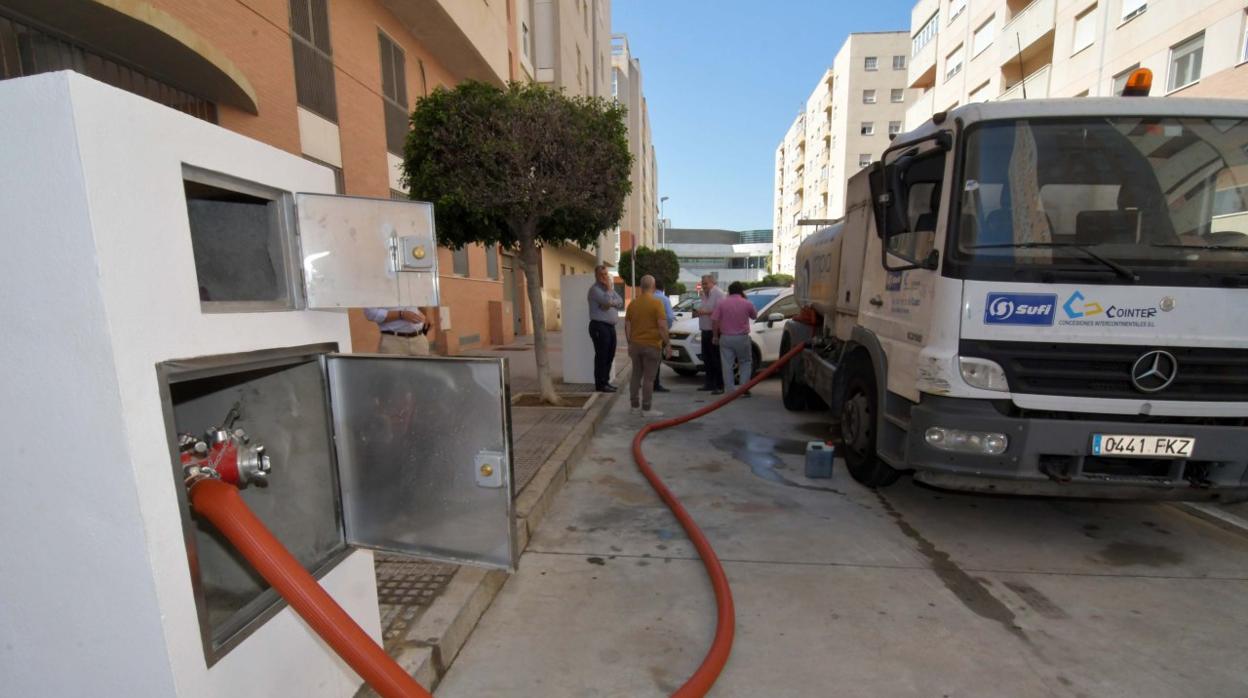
663, 219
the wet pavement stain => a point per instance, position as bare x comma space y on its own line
970, 591
596, 561
1037, 601
759, 452
1120, 554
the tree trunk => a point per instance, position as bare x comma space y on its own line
529, 259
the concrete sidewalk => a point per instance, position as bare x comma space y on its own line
429, 608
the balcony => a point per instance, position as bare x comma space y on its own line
922, 70
921, 110
1036, 84
1028, 31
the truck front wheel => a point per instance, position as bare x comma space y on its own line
858, 429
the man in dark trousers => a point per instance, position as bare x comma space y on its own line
604, 305
711, 296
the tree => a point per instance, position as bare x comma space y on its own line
661, 264
676, 289
522, 167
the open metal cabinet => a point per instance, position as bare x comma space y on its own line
410, 455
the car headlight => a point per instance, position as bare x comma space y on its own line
982, 373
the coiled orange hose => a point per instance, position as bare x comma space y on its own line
717, 656
221, 504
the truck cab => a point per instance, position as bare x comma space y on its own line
1040, 297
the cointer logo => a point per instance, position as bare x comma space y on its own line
1020, 308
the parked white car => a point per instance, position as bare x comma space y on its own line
774, 304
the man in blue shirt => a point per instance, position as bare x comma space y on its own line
604, 307
661, 294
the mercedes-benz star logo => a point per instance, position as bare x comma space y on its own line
1154, 371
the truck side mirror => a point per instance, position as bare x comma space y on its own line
888, 195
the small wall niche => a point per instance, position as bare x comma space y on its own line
242, 237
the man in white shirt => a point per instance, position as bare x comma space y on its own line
403, 330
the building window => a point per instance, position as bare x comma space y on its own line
25, 50
1120, 80
394, 93
899, 62
977, 94
314, 62
956, 7
491, 261
983, 37
340, 186
924, 35
459, 261
868, 96
897, 95
1243, 56
871, 63
1185, 62
894, 128
864, 159
868, 128
1085, 30
953, 62
1131, 8
563, 270
524, 38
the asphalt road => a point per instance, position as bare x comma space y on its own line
842, 591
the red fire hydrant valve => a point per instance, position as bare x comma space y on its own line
224, 455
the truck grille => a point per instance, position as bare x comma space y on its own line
1104, 370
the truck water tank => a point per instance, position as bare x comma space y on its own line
818, 268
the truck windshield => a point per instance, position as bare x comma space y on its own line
1161, 200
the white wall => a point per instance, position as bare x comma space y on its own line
99, 284
578, 350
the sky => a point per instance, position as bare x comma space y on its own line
724, 79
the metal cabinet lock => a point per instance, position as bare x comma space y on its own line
488, 466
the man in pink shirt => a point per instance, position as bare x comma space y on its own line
731, 329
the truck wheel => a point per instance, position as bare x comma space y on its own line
858, 429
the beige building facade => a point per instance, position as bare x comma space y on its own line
977, 50
846, 122
640, 224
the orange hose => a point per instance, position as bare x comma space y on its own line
717, 656
221, 504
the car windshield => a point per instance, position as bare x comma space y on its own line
687, 305
1115, 195
761, 298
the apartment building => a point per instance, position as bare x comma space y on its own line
855, 107
640, 223
976, 50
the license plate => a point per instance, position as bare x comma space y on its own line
1142, 446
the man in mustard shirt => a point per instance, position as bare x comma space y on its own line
645, 329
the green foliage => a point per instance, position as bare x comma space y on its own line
677, 289
504, 164
661, 264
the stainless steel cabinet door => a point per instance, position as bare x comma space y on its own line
424, 455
